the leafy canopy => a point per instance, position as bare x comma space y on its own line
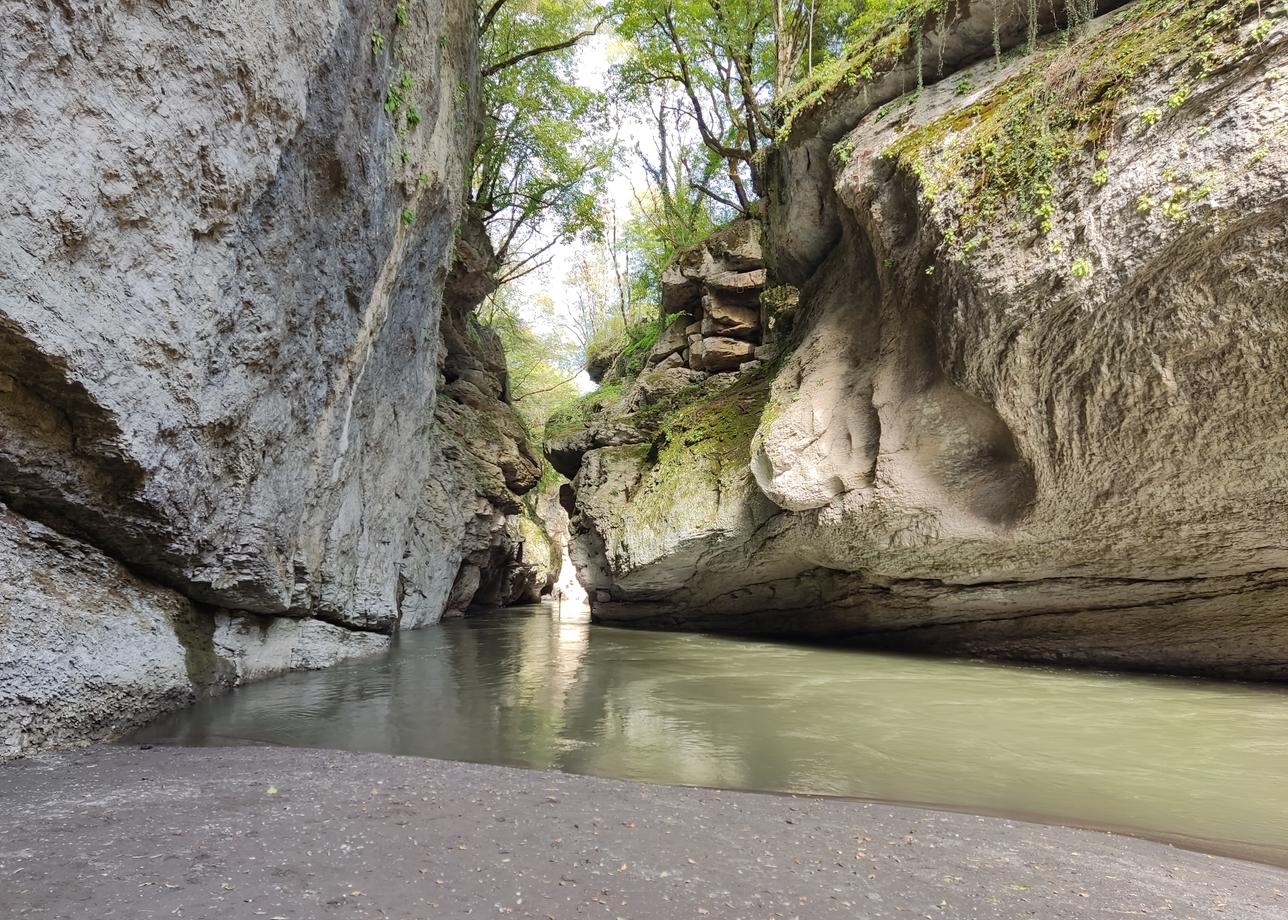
543, 157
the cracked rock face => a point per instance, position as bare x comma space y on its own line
218, 331
1052, 433
220, 345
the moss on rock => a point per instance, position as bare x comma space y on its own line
880, 35
1059, 114
577, 415
703, 450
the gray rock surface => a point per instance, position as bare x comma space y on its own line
300, 834
89, 651
1059, 443
671, 340
225, 257
721, 353
219, 325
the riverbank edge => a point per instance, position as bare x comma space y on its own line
294, 833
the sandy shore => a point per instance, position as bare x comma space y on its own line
284, 833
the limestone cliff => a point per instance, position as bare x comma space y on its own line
1031, 401
225, 245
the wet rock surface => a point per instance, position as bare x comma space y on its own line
267, 832
88, 650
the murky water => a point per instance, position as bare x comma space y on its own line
1192, 761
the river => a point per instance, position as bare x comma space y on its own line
1200, 763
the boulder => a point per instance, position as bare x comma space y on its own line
721, 353
695, 352
89, 651
738, 283
735, 247
729, 318
675, 359
680, 293
671, 340
661, 383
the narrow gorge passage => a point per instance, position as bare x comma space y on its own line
643, 459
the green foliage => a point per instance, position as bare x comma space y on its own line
725, 64
874, 38
542, 160
1081, 268
843, 150
397, 94
575, 414
667, 217
408, 217
538, 384
413, 117
639, 339
377, 44
400, 13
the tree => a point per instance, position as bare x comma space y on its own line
675, 208
542, 365
542, 159
727, 60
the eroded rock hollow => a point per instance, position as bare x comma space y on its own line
1025, 351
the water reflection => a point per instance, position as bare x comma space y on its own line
1170, 758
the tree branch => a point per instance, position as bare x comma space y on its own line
491, 15
721, 199
543, 49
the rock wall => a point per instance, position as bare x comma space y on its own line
88, 650
497, 548
1031, 403
225, 246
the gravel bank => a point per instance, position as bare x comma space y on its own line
256, 832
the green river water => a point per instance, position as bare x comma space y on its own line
1200, 763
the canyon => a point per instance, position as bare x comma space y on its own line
994, 369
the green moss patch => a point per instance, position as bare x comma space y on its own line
577, 415
703, 448
1059, 114
879, 37
195, 630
